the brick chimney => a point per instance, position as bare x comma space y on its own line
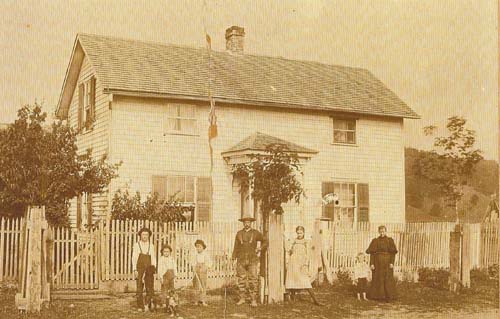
235, 37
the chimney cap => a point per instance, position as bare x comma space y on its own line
235, 30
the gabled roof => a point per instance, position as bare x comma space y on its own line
259, 142
152, 69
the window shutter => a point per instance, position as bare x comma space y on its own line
203, 198
363, 203
79, 211
90, 210
92, 100
81, 91
329, 209
160, 186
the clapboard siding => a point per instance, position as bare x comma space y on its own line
139, 140
97, 139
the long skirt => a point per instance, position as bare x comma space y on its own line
383, 286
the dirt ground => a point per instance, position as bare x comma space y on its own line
414, 301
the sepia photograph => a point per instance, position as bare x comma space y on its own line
221, 159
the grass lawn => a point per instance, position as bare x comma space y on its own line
414, 299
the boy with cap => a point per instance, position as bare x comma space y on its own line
143, 257
247, 252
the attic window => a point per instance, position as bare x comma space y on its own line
344, 131
181, 119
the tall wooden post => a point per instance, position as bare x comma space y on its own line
276, 259
466, 255
498, 92
455, 267
34, 285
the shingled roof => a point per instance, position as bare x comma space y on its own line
260, 141
153, 69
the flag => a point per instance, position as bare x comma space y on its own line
212, 120
209, 41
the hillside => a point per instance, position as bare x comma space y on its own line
422, 203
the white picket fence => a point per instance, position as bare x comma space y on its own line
82, 260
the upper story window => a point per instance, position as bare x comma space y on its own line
344, 131
86, 104
181, 119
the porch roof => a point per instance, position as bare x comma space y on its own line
260, 141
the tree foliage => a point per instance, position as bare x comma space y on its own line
452, 162
40, 165
272, 177
126, 206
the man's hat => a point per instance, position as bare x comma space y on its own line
246, 217
144, 229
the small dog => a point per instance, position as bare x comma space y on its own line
172, 303
154, 303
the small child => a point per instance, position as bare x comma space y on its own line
166, 272
200, 264
361, 274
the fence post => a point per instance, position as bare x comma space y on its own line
466, 255
49, 257
35, 290
455, 248
276, 256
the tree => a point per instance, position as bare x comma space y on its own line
452, 162
40, 165
435, 210
272, 177
272, 181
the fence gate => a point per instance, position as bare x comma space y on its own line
75, 259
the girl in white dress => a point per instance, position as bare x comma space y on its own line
297, 275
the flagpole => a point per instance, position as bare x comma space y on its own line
212, 119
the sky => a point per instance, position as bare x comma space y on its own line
440, 57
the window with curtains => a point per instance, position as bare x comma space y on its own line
344, 131
86, 104
181, 119
188, 190
353, 201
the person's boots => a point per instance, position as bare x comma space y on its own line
254, 303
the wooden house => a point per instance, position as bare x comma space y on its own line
147, 104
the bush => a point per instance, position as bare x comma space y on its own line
479, 275
126, 206
434, 278
435, 210
344, 277
493, 271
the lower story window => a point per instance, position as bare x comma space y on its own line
353, 202
190, 191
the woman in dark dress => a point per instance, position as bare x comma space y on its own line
382, 252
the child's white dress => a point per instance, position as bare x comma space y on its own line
297, 272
